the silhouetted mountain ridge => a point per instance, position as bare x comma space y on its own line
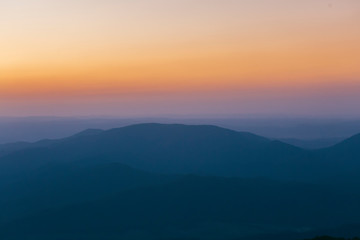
196, 149
351, 143
171, 148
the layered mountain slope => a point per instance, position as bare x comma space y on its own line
186, 149
168, 149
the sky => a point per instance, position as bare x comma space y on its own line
179, 57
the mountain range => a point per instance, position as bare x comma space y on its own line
172, 181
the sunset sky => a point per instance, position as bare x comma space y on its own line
179, 57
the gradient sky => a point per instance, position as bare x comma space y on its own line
161, 57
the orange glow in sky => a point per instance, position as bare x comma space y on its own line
220, 56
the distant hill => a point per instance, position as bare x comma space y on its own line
279, 127
184, 149
8, 148
162, 148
